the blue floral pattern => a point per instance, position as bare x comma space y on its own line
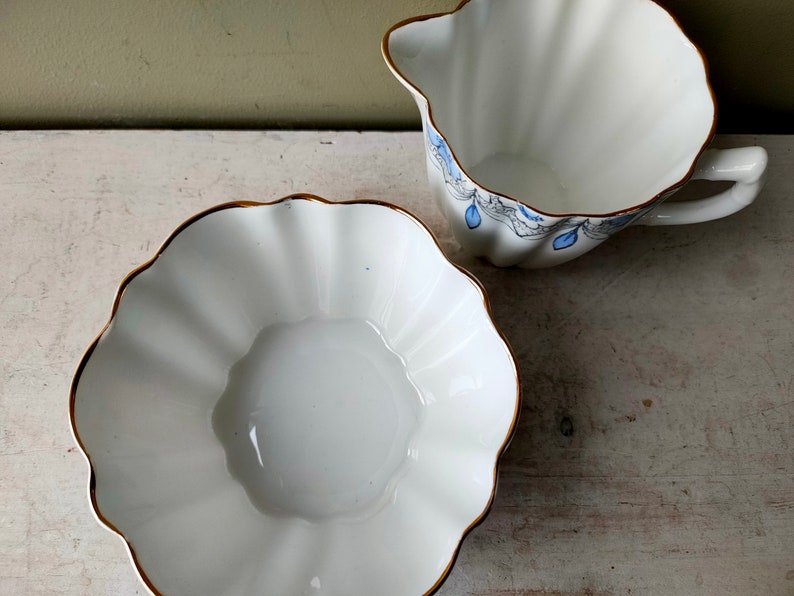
524, 222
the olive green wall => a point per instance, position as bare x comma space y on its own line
305, 63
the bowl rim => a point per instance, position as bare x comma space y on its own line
248, 204
628, 210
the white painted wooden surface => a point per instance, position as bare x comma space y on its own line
669, 350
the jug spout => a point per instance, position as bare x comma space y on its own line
416, 50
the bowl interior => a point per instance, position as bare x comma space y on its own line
296, 395
317, 419
569, 106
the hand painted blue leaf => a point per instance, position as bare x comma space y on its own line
435, 138
528, 214
567, 239
621, 220
444, 153
473, 218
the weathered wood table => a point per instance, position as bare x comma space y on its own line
655, 450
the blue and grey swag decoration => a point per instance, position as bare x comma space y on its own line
524, 223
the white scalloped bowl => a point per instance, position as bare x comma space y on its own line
299, 397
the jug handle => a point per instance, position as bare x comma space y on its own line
745, 166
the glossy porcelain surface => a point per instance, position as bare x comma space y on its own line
299, 397
551, 124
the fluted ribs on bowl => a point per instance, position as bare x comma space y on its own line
144, 396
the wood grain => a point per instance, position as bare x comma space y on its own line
654, 452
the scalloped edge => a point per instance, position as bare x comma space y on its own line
148, 583
384, 48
